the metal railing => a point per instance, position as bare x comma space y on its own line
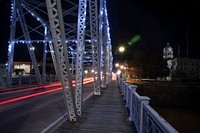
145, 118
2, 82
25, 79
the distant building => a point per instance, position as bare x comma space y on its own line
181, 68
168, 52
184, 68
25, 67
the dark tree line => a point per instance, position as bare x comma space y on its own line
149, 65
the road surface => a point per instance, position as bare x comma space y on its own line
32, 110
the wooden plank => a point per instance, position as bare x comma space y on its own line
102, 114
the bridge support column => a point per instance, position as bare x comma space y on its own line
79, 56
29, 44
96, 54
58, 35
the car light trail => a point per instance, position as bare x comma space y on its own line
88, 80
56, 84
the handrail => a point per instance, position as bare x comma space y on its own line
161, 124
145, 118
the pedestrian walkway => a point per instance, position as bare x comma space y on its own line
102, 114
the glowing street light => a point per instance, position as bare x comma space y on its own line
117, 64
86, 71
32, 48
121, 49
122, 67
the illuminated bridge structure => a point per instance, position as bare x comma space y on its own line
75, 32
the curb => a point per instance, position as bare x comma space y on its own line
56, 124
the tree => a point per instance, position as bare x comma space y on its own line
149, 66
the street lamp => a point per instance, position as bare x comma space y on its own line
121, 49
86, 72
32, 48
117, 64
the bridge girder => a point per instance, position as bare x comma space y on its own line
82, 36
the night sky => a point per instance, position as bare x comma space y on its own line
157, 22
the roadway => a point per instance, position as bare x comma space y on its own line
33, 109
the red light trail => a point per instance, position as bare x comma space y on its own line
88, 80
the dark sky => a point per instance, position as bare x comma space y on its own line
156, 21
4, 29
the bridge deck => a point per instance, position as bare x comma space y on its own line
102, 114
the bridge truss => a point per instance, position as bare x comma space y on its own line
74, 32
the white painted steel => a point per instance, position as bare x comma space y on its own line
79, 55
11, 43
29, 44
145, 118
58, 35
95, 45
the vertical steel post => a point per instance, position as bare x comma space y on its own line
79, 50
107, 49
11, 43
95, 45
29, 44
100, 36
44, 56
58, 35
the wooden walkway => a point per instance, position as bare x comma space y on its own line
102, 114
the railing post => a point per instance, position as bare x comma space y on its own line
20, 79
50, 78
30, 79
121, 85
124, 89
133, 89
2, 81
143, 100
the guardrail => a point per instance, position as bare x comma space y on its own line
26, 79
145, 118
2, 82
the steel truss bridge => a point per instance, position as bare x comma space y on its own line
75, 33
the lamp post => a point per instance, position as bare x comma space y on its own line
121, 50
32, 49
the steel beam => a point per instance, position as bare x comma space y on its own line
93, 8
79, 56
11, 42
29, 45
58, 35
